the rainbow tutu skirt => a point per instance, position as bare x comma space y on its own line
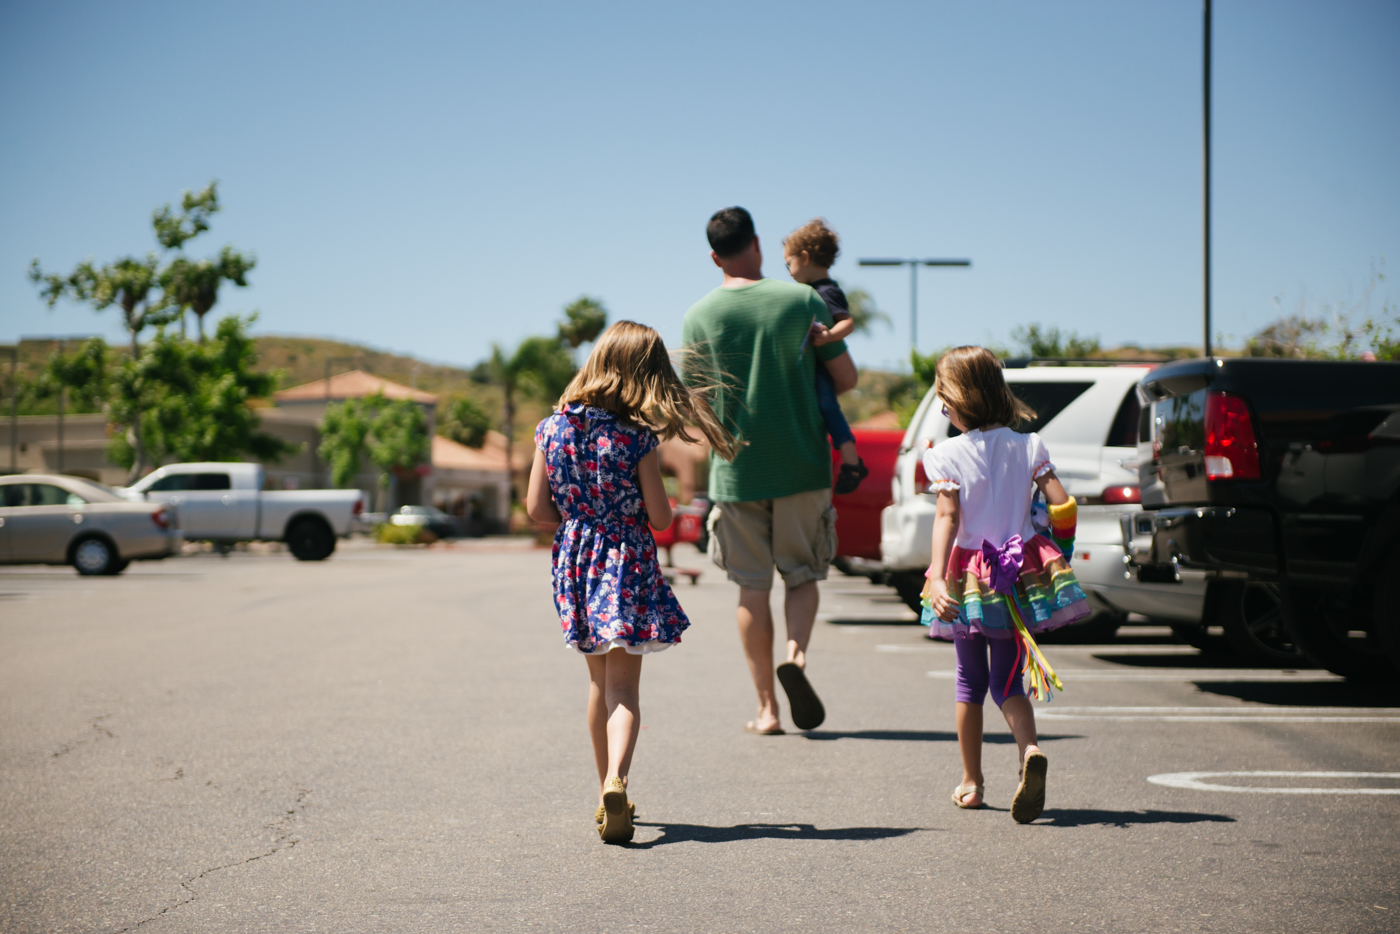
1047, 593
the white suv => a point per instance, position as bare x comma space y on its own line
1088, 418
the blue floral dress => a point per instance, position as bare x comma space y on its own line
608, 587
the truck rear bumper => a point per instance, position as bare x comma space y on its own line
1212, 538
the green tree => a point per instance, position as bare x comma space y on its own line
191, 401
464, 421
1051, 342
539, 366
188, 284
126, 283
84, 373
864, 314
392, 434
398, 439
584, 319
151, 296
344, 433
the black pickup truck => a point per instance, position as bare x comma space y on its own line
1282, 475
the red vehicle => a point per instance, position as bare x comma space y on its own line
858, 513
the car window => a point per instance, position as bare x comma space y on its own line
171, 483
38, 494
211, 481
1123, 433
1048, 400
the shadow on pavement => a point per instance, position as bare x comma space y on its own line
867, 621
1224, 662
681, 833
923, 736
1092, 817
1304, 694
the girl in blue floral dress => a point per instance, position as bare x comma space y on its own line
597, 473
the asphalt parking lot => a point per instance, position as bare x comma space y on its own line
393, 740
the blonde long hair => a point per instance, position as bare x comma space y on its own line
969, 380
630, 373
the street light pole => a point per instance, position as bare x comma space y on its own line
914, 265
1205, 158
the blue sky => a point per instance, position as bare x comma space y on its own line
430, 178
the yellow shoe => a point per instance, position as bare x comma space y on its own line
617, 815
631, 809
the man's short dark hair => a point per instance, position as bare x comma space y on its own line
730, 231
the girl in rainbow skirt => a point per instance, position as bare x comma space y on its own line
994, 581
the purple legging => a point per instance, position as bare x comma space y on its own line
973, 678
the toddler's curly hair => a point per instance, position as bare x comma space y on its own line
820, 242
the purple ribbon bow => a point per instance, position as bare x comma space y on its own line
1005, 563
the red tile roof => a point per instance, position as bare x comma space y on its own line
449, 455
353, 385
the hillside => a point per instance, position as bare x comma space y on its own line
304, 359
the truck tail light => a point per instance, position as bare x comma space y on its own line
1231, 451
1118, 495
920, 478
160, 518
359, 506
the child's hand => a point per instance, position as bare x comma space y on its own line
821, 334
945, 607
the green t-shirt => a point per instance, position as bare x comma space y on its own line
752, 338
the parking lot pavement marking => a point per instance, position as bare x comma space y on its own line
1192, 782
1181, 675
1226, 714
1181, 650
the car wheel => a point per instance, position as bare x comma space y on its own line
1319, 623
910, 587
1251, 613
96, 556
310, 540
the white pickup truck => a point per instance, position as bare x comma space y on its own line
226, 503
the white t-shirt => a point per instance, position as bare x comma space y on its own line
994, 473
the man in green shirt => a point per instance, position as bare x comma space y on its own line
773, 501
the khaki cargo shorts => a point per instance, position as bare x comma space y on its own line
797, 534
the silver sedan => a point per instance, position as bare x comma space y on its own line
50, 519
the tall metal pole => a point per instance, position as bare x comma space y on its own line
914, 306
914, 265
1205, 139
62, 387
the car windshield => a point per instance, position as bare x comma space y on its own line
1047, 398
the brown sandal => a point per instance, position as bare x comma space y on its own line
961, 792
1029, 801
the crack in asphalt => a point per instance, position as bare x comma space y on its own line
96, 724
284, 827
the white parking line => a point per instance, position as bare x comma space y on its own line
1181, 650
1181, 675
1192, 782
1127, 711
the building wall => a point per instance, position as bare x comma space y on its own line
78, 446
85, 438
